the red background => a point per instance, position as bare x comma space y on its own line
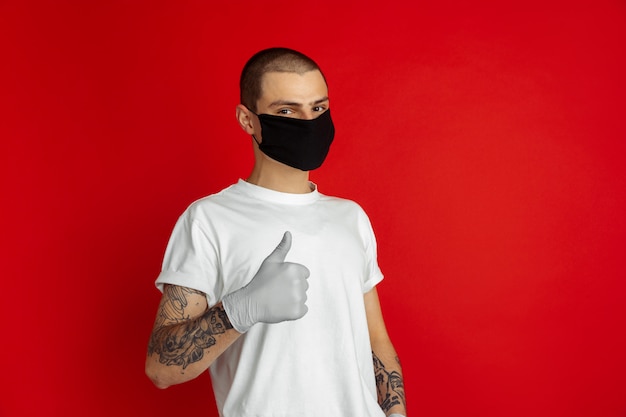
486, 142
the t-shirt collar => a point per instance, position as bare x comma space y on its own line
266, 194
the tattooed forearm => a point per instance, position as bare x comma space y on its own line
184, 345
390, 385
181, 344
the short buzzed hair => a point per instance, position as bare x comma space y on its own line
270, 60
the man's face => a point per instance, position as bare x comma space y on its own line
288, 94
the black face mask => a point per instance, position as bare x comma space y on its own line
301, 144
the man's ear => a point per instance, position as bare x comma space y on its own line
244, 117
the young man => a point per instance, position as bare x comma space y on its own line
288, 330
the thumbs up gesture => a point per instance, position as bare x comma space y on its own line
276, 293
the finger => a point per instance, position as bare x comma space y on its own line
306, 272
280, 253
296, 269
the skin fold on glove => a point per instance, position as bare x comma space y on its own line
276, 293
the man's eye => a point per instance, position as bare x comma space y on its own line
284, 111
319, 108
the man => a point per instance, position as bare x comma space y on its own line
288, 330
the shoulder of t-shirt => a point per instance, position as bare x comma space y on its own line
204, 203
342, 201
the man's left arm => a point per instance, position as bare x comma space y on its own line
387, 369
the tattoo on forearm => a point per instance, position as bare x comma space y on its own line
390, 385
186, 344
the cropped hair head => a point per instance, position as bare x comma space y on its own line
270, 60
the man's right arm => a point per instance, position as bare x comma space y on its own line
187, 336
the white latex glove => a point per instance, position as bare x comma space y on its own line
276, 293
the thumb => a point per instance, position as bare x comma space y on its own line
280, 253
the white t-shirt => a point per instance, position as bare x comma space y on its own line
317, 366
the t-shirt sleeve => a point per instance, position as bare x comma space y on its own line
190, 259
373, 274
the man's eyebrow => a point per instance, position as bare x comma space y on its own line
278, 103
321, 100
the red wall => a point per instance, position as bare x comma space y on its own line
487, 143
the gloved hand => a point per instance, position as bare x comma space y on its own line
276, 293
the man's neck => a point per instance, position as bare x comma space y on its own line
279, 177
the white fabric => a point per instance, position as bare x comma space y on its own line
320, 365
